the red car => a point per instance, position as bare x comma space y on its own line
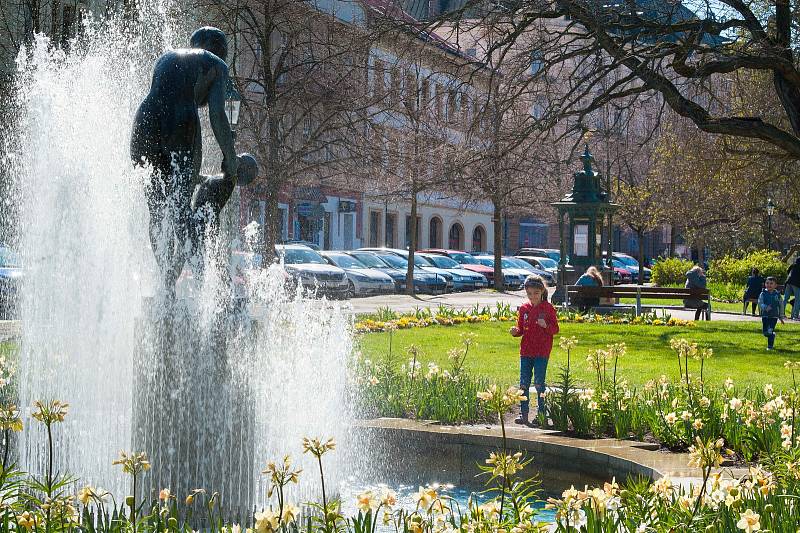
467, 261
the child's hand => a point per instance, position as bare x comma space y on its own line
769, 308
514, 331
542, 323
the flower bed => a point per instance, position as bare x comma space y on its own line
387, 320
754, 424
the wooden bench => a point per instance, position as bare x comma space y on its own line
638, 292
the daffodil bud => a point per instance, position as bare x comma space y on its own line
769, 508
130, 501
172, 523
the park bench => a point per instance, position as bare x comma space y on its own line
639, 292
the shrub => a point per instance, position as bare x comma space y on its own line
671, 271
726, 292
735, 269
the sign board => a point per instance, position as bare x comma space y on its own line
304, 209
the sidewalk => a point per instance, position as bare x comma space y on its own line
406, 304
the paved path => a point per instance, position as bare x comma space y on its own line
403, 303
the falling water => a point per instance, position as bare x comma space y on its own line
90, 274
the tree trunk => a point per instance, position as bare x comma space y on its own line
640, 240
672, 236
271, 226
412, 246
497, 220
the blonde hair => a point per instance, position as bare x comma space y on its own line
594, 273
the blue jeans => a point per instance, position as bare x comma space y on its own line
789, 292
538, 367
768, 324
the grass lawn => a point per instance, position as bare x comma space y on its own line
739, 350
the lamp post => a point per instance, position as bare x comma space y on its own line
770, 212
233, 102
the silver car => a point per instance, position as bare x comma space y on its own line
309, 269
363, 281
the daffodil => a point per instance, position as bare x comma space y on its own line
267, 521
749, 521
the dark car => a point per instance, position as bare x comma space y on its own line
10, 281
467, 261
426, 282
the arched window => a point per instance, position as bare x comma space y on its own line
435, 233
455, 239
478, 239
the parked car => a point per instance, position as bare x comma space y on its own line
542, 263
363, 281
463, 279
426, 282
548, 277
552, 253
467, 261
312, 271
513, 277
373, 262
10, 282
308, 244
621, 274
631, 264
422, 263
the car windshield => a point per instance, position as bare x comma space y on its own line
421, 261
464, 259
617, 264
507, 262
345, 261
441, 261
394, 261
9, 259
628, 261
485, 261
302, 256
370, 260
546, 262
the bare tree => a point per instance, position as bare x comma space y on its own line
305, 109
683, 54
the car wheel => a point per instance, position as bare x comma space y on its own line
351, 290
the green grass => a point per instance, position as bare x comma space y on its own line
739, 350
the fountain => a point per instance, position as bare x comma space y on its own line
209, 414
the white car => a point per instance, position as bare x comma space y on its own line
363, 281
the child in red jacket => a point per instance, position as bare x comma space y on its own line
537, 324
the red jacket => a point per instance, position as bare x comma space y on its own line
536, 340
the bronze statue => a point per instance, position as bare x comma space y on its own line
166, 135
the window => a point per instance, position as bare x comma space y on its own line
408, 230
472, 52
455, 240
374, 229
435, 233
580, 241
477, 239
391, 229
537, 62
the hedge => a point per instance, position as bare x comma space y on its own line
735, 269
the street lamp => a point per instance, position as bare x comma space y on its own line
233, 101
770, 212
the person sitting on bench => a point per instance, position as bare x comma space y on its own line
755, 283
696, 279
590, 278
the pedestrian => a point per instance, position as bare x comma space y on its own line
791, 288
772, 309
755, 283
537, 323
590, 278
696, 279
